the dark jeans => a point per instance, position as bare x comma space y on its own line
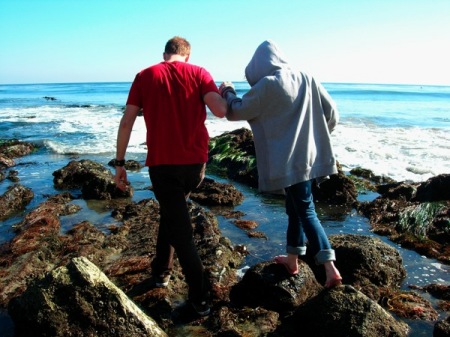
303, 224
172, 185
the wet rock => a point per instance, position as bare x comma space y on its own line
15, 199
94, 180
36, 248
369, 175
344, 312
246, 322
6, 162
15, 148
232, 154
407, 304
338, 190
442, 328
270, 286
434, 189
131, 165
78, 298
213, 193
365, 260
414, 215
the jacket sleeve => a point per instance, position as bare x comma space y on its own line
329, 108
245, 108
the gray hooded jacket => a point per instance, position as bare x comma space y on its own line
291, 116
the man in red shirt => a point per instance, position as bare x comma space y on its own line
172, 95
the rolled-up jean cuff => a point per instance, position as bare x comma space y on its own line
324, 256
296, 250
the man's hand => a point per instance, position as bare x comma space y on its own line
225, 88
121, 179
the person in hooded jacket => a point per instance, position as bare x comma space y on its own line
291, 116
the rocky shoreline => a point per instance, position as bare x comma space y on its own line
90, 283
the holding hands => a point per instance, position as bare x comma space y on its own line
225, 88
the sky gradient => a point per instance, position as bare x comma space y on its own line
363, 41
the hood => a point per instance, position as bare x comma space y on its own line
266, 60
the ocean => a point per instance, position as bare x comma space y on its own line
400, 131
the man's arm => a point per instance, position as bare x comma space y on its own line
123, 137
216, 104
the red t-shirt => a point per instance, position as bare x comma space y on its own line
171, 96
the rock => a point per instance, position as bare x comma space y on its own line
79, 298
15, 148
366, 260
434, 189
415, 215
338, 190
15, 199
442, 328
95, 181
233, 154
35, 249
270, 286
345, 312
246, 322
6, 162
131, 165
213, 193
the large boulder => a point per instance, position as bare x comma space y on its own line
366, 260
79, 299
94, 180
15, 199
213, 193
345, 312
270, 286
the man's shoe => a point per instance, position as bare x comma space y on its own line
201, 308
162, 281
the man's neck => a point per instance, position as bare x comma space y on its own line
175, 57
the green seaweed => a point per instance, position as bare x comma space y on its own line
418, 219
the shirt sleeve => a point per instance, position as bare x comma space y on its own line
134, 96
208, 84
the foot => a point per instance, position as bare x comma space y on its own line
289, 262
334, 279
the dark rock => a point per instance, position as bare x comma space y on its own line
131, 165
420, 225
366, 260
401, 190
338, 190
94, 180
15, 148
246, 322
78, 298
6, 162
213, 193
345, 312
15, 199
442, 328
434, 189
232, 154
270, 286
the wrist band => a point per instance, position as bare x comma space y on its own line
116, 162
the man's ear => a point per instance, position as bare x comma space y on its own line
165, 56
187, 57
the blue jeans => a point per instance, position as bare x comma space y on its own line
172, 185
303, 224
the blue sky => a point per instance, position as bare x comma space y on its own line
368, 41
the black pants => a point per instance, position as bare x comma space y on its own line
172, 185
